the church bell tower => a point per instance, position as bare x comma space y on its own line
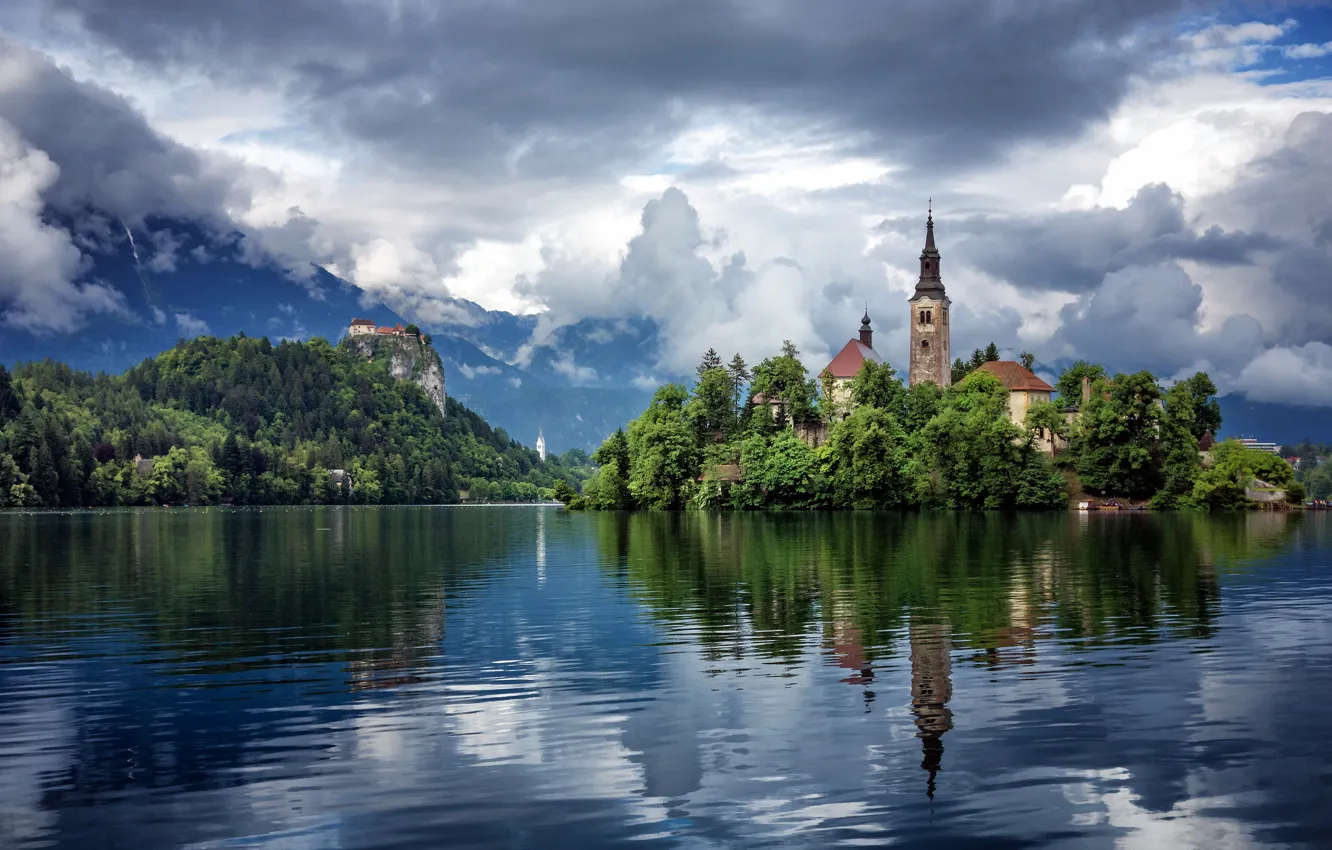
931, 358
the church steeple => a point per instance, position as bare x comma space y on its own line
866, 332
929, 258
930, 344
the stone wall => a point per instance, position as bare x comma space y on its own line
931, 356
814, 434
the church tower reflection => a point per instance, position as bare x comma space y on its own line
931, 689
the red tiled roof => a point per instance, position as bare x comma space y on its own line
848, 361
1016, 377
362, 322
384, 330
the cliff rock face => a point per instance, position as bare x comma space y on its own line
407, 360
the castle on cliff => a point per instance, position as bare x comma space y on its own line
366, 327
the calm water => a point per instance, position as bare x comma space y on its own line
524, 677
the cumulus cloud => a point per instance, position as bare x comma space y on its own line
1073, 250
564, 364
40, 266
189, 325
470, 372
1148, 317
1294, 375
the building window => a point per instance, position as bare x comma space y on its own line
924, 343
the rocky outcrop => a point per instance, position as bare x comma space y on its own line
408, 359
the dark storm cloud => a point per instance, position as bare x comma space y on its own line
578, 86
108, 156
1290, 191
1073, 251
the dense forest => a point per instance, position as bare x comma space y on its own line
711, 446
244, 421
1312, 469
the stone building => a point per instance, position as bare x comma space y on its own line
361, 326
931, 357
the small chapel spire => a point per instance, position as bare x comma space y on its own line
866, 332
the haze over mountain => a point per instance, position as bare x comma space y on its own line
579, 198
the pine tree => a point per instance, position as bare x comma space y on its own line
9, 400
44, 478
991, 353
739, 371
711, 360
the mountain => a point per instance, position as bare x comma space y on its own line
179, 280
1278, 423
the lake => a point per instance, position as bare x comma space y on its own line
527, 677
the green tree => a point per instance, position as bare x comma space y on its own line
1116, 439
739, 372
781, 472
11, 479
865, 459
784, 379
10, 405
1317, 481
562, 492
664, 454
922, 405
877, 385
614, 451
1222, 485
960, 370
1181, 463
712, 408
1046, 424
1027, 359
42, 475
1068, 387
970, 453
711, 360
1206, 413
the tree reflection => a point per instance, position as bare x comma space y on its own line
859, 589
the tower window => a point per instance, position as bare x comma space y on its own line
924, 343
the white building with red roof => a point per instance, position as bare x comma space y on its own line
1024, 387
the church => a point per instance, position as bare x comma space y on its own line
931, 347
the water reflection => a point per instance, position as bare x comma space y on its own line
508, 677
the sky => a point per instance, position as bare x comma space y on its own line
1146, 183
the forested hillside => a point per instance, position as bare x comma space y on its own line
247, 421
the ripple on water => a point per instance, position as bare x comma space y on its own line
377, 678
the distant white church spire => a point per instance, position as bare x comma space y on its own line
541, 444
